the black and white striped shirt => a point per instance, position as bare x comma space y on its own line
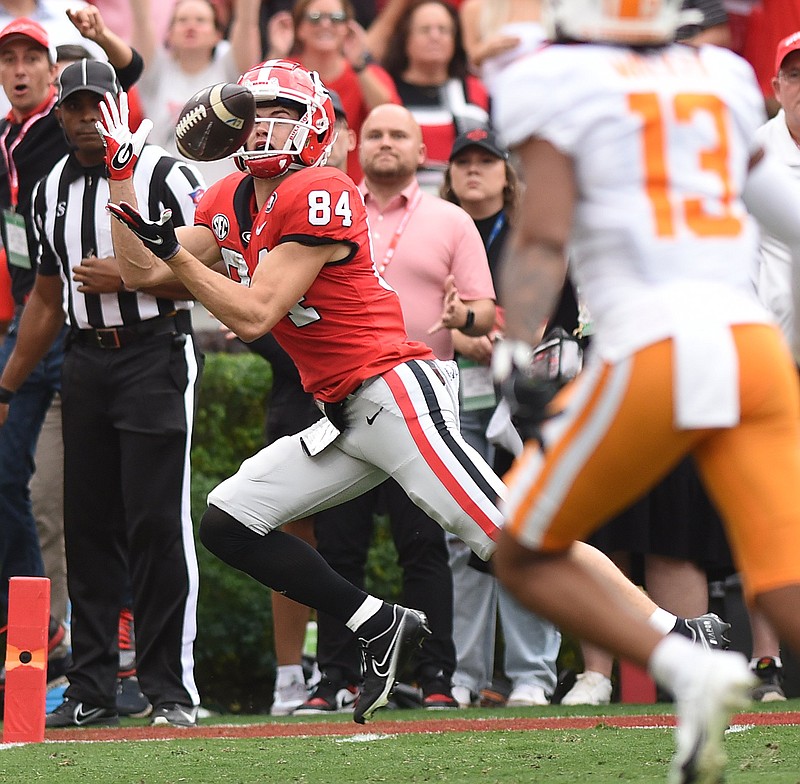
71, 223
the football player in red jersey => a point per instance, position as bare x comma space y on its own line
292, 234
293, 238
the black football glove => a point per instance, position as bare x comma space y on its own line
528, 398
157, 236
529, 377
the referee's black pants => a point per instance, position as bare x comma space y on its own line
127, 419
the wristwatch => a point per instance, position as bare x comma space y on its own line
366, 59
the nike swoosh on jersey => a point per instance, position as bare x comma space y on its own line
260, 228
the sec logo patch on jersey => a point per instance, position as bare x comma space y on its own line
221, 226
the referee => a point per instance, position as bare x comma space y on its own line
128, 390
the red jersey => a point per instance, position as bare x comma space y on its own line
349, 325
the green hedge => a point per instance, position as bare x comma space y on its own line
234, 654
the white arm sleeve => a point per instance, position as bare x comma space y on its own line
773, 198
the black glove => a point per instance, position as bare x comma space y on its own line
157, 236
529, 377
528, 399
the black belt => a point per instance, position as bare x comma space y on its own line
119, 337
336, 413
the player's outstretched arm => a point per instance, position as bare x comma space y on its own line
138, 267
282, 276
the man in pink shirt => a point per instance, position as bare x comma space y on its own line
425, 247
430, 252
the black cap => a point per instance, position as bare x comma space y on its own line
92, 75
338, 106
479, 137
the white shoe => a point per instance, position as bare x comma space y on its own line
288, 697
526, 695
464, 696
591, 688
711, 687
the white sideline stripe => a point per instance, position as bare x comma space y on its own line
365, 737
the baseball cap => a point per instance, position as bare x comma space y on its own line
95, 76
338, 106
479, 137
27, 28
788, 45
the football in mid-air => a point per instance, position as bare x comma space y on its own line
215, 122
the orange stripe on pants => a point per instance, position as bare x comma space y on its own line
617, 439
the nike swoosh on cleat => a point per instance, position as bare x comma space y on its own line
82, 717
377, 665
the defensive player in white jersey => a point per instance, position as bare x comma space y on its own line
645, 162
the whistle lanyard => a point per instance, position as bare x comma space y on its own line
401, 227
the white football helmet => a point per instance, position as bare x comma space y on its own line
637, 22
311, 135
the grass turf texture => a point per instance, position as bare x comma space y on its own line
600, 754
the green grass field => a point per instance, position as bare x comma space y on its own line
599, 755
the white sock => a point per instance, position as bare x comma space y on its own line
370, 606
670, 659
662, 621
288, 674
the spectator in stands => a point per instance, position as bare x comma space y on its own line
780, 136
480, 179
328, 40
194, 55
55, 17
427, 61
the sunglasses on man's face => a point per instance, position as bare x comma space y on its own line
318, 17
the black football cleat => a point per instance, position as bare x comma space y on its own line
384, 655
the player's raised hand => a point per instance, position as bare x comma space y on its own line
158, 236
122, 146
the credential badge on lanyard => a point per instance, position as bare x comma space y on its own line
16, 240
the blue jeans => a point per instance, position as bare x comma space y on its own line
20, 554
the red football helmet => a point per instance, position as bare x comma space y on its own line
310, 137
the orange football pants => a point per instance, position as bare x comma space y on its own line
616, 438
